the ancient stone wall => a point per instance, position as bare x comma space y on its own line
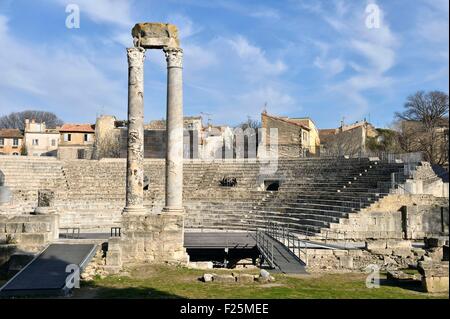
421, 216
28, 232
154, 238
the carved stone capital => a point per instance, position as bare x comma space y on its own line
136, 56
174, 57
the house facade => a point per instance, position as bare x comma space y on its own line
39, 140
76, 141
294, 137
11, 142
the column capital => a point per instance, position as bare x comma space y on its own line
174, 57
136, 56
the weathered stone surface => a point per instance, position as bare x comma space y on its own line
435, 275
224, 278
155, 238
346, 262
174, 151
151, 35
201, 265
135, 143
244, 278
207, 277
46, 198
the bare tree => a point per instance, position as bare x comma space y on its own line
344, 143
427, 108
425, 125
17, 119
108, 145
254, 124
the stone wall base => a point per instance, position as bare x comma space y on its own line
28, 232
340, 260
151, 238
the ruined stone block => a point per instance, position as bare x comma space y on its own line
33, 239
346, 262
13, 228
114, 258
245, 278
36, 227
224, 278
402, 252
155, 35
435, 276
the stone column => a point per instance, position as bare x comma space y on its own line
174, 147
135, 142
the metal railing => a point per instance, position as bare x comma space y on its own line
70, 232
414, 157
116, 232
292, 242
265, 246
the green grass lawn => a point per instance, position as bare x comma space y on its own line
176, 282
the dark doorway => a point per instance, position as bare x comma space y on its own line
272, 186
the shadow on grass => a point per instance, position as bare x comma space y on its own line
413, 285
126, 293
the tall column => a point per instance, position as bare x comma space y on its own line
135, 141
174, 147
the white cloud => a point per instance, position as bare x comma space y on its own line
329, 65
67, 83
433, 22
254, 58
116, 12
370, 53
186, 27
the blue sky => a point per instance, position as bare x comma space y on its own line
302, 58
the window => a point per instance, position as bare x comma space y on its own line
35, 142
305, 136
2, 141
67, 137
86, 137
53, 142
15, 142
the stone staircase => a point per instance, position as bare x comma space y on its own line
26, 175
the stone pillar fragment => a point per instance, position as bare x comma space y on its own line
135, 142
174, 155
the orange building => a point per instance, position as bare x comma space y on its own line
76, 141
11, 141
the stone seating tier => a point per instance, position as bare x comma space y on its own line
313, 193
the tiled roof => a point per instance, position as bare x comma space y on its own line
10, 133
83, 128
287, 120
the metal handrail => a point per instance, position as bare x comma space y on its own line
262, 242
283, 235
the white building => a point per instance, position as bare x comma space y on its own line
40, 141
